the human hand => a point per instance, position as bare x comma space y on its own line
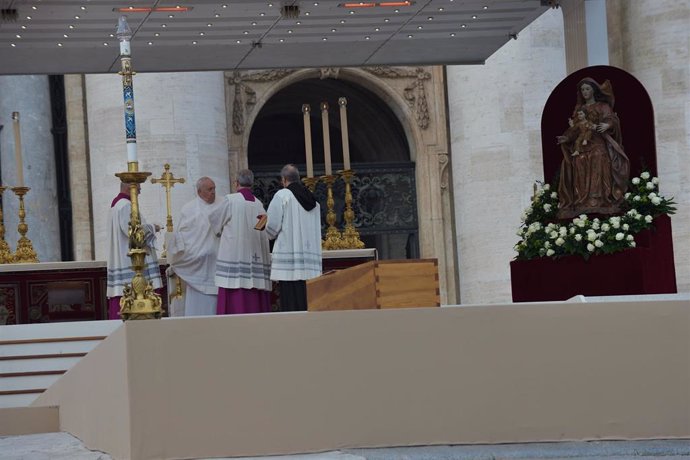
602, 127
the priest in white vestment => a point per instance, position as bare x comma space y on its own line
243, 264
294, 221
119, 264
192, 251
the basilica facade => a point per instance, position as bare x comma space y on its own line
446, 155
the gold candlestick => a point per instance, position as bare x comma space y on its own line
25, 251
350, 238
5, 251
138, 301
333, 238
310, 183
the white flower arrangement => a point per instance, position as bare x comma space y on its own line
542, 236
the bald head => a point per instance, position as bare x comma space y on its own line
206, 189
289, 174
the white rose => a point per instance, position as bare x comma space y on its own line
656, 200
583, 216
627, 195
562, 231
547, 187
651, 195
550, 252
632, 244
638, 216
625, 227
572, 230
648, 219
547, 207
644, 175
598, 243
547, 245
560, 242
649, 186
619, 236
636, 180
592, 236
605, 227
553, 235
655, 180
554, 195
520, 232
578, 237
595, 225
615, 224
629, 237
590, 247
636, 198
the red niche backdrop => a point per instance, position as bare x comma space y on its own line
632, 104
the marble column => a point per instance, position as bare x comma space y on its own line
180, 120
649, 38
575, 27
29, 95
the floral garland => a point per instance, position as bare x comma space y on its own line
542, 236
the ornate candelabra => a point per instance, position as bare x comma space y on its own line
138, 301
333, 238
310, 183
350, 238
5, 251
25, 251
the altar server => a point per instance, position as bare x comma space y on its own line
243, 265
294, 221
192, 251
119, 264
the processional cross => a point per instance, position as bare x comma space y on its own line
168, 181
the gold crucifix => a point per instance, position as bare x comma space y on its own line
168, 181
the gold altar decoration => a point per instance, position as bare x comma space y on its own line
25, 251
350, 238
310, 183
333, 238
5, 251
138, 301
168, 181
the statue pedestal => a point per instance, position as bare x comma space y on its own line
645, 269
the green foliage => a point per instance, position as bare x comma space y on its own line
541, 235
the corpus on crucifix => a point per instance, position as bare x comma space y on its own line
168, 181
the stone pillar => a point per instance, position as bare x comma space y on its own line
30, 96
650, 40
79, 172
180, 120
575, 26
495, 132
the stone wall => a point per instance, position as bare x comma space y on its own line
651, 40
180, 120
495, 112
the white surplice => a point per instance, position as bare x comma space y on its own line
297, 251
119, 265
243, 256
192, 251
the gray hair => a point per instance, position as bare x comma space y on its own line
290, 173
245, 177
201, 181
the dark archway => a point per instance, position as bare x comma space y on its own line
384, 189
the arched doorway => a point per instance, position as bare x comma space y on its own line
384, 192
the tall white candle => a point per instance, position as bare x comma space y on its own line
306, 110
18, 149
326, 139
342, 102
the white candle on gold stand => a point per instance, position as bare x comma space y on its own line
326, 139
306, 111
342, 102
18, 149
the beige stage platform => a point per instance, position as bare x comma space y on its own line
316, 381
